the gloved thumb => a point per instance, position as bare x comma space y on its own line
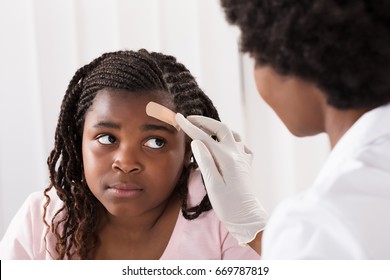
207, 165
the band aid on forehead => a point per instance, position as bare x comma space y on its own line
162, 113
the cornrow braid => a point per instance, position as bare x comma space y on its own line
75, 225
189, 99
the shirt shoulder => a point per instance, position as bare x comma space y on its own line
203, 238
25, 235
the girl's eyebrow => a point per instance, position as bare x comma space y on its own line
107, 125
145, 127
148, 127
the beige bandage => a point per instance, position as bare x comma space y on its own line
162, 113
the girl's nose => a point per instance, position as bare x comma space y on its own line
127, 160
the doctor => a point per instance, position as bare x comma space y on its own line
323, 66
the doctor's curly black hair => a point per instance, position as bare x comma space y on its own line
342, 46
75, 224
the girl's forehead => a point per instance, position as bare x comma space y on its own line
124, 110
116, 97
123, 105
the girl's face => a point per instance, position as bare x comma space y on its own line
299, 104
132, 162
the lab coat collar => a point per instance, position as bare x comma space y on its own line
369, 127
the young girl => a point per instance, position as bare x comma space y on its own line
124, 185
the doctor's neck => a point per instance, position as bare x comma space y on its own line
339, 121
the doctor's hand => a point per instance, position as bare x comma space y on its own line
225, 164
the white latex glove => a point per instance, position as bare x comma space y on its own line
226, 168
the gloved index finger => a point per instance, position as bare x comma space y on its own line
213, 127
192, 130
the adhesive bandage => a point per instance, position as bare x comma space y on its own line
162, 113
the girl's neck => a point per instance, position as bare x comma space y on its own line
142, 223
143, 237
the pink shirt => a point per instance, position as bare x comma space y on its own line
204, 238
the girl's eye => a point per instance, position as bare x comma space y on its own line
155, 143
106, 139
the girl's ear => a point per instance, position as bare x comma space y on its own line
188, 156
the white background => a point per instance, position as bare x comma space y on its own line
43, 43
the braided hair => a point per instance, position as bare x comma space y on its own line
75, 225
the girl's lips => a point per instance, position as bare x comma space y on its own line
125, 190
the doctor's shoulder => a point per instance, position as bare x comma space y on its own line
343, 217
304, 229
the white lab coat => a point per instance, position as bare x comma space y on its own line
346, 213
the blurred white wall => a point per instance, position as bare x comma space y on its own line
43, 42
